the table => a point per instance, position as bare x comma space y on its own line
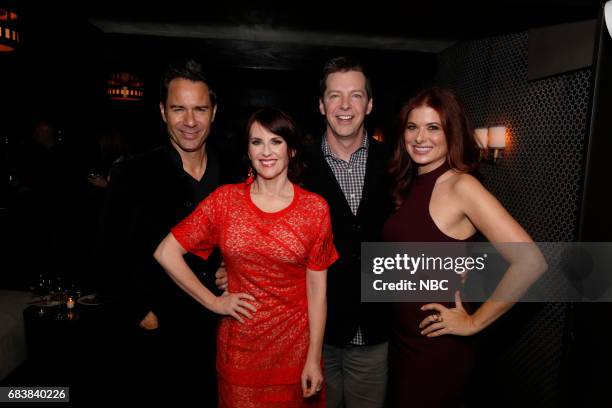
67, 351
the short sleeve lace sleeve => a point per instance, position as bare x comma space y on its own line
323, 252
198, 233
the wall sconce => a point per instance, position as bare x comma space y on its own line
491, 142
9, 36
497, 141
124, 86
481, 135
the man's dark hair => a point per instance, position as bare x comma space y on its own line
343, 64
186, 69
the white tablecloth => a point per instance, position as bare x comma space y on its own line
12, 333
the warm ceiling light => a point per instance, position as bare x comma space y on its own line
124, 86
9, 36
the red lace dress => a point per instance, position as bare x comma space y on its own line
266, 255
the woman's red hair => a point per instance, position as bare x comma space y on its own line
462, 149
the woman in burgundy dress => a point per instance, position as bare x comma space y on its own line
277, 244
437, 200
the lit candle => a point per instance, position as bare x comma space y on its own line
70, 302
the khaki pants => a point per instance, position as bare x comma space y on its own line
356, 376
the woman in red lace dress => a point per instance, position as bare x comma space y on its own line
277, 244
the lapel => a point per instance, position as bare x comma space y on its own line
329, 182
371, 177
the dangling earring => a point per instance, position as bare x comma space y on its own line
251, 173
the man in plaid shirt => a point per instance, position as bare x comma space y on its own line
347, 168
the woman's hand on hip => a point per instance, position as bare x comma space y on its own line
446, 320
235, 305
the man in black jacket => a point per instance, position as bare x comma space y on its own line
169, 343
347, 168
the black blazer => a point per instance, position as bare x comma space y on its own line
147, 196
345, 312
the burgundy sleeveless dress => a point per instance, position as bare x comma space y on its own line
423, 372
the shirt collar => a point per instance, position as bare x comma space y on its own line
175, 156
327, 152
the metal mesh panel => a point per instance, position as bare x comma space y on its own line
538, 181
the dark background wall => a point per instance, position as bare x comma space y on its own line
533, 352
547, 121
592, 355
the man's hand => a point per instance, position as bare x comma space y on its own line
149, 322
221, 277
97, 181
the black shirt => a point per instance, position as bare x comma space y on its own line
209, 181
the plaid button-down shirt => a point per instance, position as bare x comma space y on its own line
350, 176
